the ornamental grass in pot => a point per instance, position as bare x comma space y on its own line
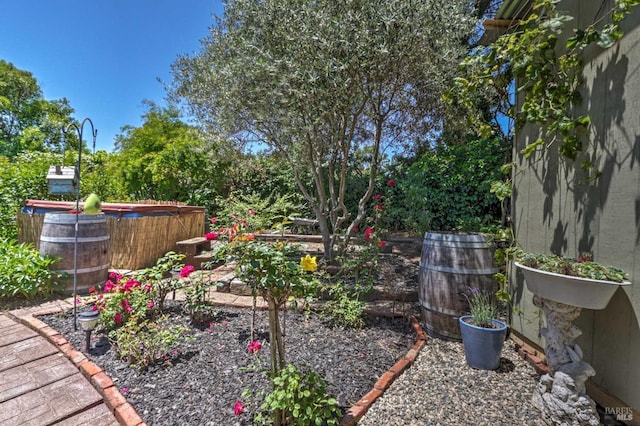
483, 335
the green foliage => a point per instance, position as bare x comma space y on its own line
260, 176
272, 269
449, 188
166, 159
549, 76
195, 304
22, 178
127, 300
158, 277
318, 82
27, 120
258, 211
344, 309
301, 398
581, 267
24, 273
145, 342
482, 307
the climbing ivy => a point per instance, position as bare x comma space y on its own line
548, 76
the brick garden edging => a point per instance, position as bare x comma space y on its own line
355, 413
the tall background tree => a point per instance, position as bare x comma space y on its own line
318, 81
27, 120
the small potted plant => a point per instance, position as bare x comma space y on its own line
483, 335
576, 282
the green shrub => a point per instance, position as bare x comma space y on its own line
143, 343
24, 272
447, 188
127, 300
344, 309
301, 398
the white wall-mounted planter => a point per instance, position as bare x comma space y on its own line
561, 394
575, 291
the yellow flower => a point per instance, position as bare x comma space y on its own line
308, 263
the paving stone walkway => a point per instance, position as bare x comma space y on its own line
40, 385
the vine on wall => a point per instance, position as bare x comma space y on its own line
548, 76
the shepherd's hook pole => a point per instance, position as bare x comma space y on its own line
94, 132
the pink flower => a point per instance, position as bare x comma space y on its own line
377, 197
391, 182
238, 408
186, 271
254, 347
382, 244
130, 284
355, 229
94, 308
117, 318
109, 286
211, 236
150, 304
251, 212
214, 219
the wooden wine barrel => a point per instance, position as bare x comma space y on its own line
58, 239
450, 265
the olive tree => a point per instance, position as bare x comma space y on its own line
320, 80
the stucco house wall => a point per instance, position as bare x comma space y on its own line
555, 211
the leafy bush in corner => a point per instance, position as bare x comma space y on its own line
302, 398
24, 272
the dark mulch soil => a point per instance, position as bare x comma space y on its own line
201, 383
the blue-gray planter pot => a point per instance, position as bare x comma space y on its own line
482, 346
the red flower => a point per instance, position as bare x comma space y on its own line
117, 318
377, 197
254, 347
92, 290
355, 229
238, 408
186, 271
382, 244
211, 236
391, 182
367, 234
379, 207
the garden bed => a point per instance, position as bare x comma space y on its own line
201, 382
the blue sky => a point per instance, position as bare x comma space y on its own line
104, 56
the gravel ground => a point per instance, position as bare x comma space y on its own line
200, 385
440, 389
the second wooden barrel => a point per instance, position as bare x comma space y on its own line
451, 264
58, 239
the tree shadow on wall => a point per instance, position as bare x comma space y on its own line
604, 100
